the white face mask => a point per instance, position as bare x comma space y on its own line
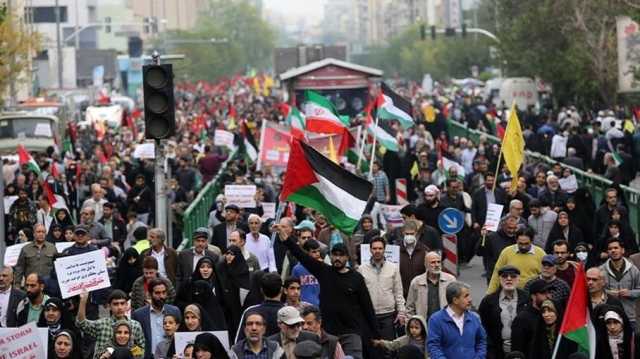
582, 256
409, 240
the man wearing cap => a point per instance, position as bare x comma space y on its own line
188, 258
541, 220
222, 231
344, 297
523, 255
429, 210
558, 288
528, 321
36, 256
290, 323
260, 245
498, 310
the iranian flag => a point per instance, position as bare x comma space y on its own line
576, 324
25, 159
295, 119
392, 106
321, 115
315, 181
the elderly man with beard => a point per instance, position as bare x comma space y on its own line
427, 292
498, 310
344, 297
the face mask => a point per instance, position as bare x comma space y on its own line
409, 239
524, 249
582, 256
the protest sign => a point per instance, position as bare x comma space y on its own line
61, 246
25, 342
269, 209
12, 253
83, 271
145, 150
224, 138
494, 213
8, 201
568, 184
243, 196
184, 338
386, 216
274, 146
391, 253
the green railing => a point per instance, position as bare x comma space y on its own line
597, 185
197, 214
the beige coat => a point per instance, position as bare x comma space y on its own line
417, 298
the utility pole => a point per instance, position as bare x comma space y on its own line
58, 44
159, 177
12, 83
77, 27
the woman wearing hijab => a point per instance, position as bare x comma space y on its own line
564, 229
122, 341
203, 294
65, 346
234, 279
63, 218
579, 215
195, 319
56, 318
615, 338
547, 334
205, 270
129, 269
208, 346
55, 234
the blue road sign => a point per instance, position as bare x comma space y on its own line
451, 220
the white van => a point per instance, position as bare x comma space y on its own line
522, 90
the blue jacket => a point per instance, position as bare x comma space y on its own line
143, 316
445, 342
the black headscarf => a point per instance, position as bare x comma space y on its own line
233, 278
237, 271
127, 273
67, 221
50, 238
210, 343
196, 272
202, 294
65, 322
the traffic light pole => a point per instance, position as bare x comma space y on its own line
162, 209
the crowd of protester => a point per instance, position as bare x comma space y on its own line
307, 293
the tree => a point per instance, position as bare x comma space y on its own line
571, 44
249, 42
16, 49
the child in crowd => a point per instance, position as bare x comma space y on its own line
416, 330
166, 348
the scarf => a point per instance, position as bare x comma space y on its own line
615, 341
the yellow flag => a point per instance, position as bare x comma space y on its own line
256, 85
628, 126
513, 146
333, 156
415, 170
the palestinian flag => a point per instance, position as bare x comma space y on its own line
392, 106
315, 181
322, 116
576, 324
25, 158
249, 147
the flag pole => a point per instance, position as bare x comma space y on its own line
361, 142
262, 131
373, 150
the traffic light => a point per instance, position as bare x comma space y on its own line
159, 105
433, 32
464, 30
147, 25
107, 24
423, 32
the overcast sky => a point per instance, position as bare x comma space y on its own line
296, 8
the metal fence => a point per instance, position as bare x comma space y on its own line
596, 184
197, 214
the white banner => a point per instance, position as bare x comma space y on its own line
568, 184
628, 34
269, 209
494, 213
391, 253
83, 271
145, 150
25, 342
224, 139
184, 338
111, 115
12, 253
61, 246
243, 196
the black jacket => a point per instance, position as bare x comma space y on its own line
524, 329
344, 298
15, 297
479, 204
119, 229
489, 311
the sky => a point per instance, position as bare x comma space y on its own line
296, 8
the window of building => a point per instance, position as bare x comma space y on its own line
47, 14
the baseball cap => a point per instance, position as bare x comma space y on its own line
538, 286
306, 224
549, 259
289, 315
339, 248
81, 228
